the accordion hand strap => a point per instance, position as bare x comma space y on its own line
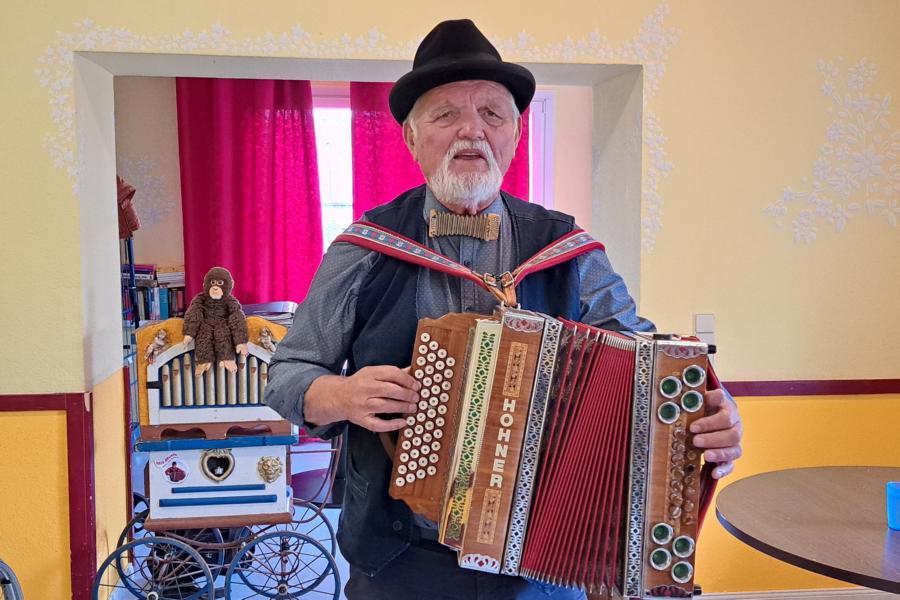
503, 287
707, 482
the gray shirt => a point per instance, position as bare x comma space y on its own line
319, 340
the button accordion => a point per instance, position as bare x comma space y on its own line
557, 451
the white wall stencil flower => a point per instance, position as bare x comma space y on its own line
152, 198
649, 47
858, 171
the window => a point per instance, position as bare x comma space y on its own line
331, 112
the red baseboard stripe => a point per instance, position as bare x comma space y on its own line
82, 508
814, 387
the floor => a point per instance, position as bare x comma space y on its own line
262, 562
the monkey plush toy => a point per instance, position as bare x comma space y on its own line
216, 321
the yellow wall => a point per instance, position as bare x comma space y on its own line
783, 433
34, 504
109, 463
733, 102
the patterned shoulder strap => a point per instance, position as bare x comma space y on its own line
503, 287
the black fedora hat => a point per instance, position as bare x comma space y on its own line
458, 51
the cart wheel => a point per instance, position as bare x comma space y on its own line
307, 520
282, 564
162, 569
9, 585
134, 530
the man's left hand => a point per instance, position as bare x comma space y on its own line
719, 433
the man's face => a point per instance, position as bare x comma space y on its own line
464, 137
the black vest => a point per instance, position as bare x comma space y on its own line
375, 528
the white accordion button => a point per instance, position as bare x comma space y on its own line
423, 461
414, 453
420, 417
419, 429
438, 434
425, 392
426, 449
431, 357
425, 337
435, 389
439, 422
407, 433
404, 457
451, 361
426, 437
434, 458
429, 425
437, 378
426, 382
431, 470
421, 361
431, 413
436, 446
442, 409
439, 365
410, 478
448, 373
442, 353
416, 442
410, 420
429, 369
433, 346
423, 404
401, 469
420, 474
423, 349
444, 397
445, 386
406, 445
419, 374
399, 481
433, 402
412, 466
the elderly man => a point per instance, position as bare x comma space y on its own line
460, 108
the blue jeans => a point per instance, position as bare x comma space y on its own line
428, 571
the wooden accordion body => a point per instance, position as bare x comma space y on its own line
557, 451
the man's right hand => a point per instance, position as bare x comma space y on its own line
360, 398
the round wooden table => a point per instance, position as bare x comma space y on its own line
830, 520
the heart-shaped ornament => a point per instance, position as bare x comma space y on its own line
217, 465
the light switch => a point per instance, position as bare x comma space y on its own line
704, 323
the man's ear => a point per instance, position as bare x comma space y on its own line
409, 137
519, 129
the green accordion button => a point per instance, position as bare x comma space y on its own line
682, 572
694, 375
662, 533
660, 559
692, 401
668, 412
670, 386
683, 546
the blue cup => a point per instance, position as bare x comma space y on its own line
893, 504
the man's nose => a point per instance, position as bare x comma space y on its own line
470, 126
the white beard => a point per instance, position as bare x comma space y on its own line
466, 192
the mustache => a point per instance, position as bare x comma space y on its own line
479, 146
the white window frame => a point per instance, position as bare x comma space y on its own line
541, 141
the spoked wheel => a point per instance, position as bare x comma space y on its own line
9, 585
308, 520
282, 564
207, 542
161, 569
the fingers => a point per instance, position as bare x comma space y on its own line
721, 411
392, 391
379, 425
723, 455
394, 375
723, 469
387, 405
724, 438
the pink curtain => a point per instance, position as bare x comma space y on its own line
249, 185
383, 167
